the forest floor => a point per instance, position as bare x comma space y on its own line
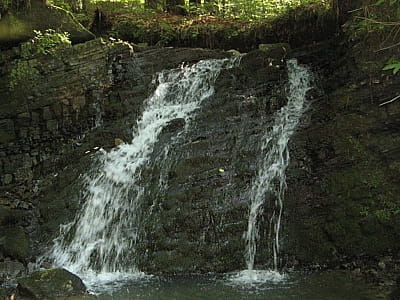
121, 21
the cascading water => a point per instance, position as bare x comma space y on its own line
104, 235
270, 182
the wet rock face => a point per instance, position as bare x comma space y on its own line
42, 121
202, 213
341, 206
342, 176
59, 104
14, 229
51, 130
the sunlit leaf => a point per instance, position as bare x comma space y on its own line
380, 2
392, 64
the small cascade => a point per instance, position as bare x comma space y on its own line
103, 237
270, 182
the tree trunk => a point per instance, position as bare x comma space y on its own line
76, 5
342, 8
153, 4
19, 5
176, 7
211, 5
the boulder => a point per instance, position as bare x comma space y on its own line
174, 125
16, 27
278, 49
11, 269
50, 283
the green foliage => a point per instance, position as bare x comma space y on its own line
392, 64
242, 9
379, 18
45, 43
391, 2
365, 25
5, 4
22, 72
249, 11
61, 3
380, 214
48, 43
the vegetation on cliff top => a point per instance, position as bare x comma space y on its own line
47, 43
379, 22
211, 24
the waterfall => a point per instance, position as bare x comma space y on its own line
103, 237
270, 182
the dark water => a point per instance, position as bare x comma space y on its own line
326, 285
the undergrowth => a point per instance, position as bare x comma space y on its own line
220, 29
380, 19
24, 70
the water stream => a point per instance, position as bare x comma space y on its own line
334, 285
270, 182
101, 244
102, 240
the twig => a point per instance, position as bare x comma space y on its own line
388, 47
390, 101
354, 10
379, 22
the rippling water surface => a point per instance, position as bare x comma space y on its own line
327, 285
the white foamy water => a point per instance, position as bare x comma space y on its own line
101, 243
108, 282
256, 278
270, 182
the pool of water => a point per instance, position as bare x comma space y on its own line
324, 285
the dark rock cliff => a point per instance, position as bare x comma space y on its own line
342, 182
42, 121
342, 208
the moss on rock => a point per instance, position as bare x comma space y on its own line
49, 284
19, 27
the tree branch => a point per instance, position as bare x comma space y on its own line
388, 47
390, 101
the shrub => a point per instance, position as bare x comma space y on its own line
45, 43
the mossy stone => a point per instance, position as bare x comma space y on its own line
279, 49
50, 283
18, 27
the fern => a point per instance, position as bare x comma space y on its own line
392, 64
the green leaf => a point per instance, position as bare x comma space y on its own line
388, 67
392, 64
380, 2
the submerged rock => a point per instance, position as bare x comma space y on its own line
174, 125
50, 283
